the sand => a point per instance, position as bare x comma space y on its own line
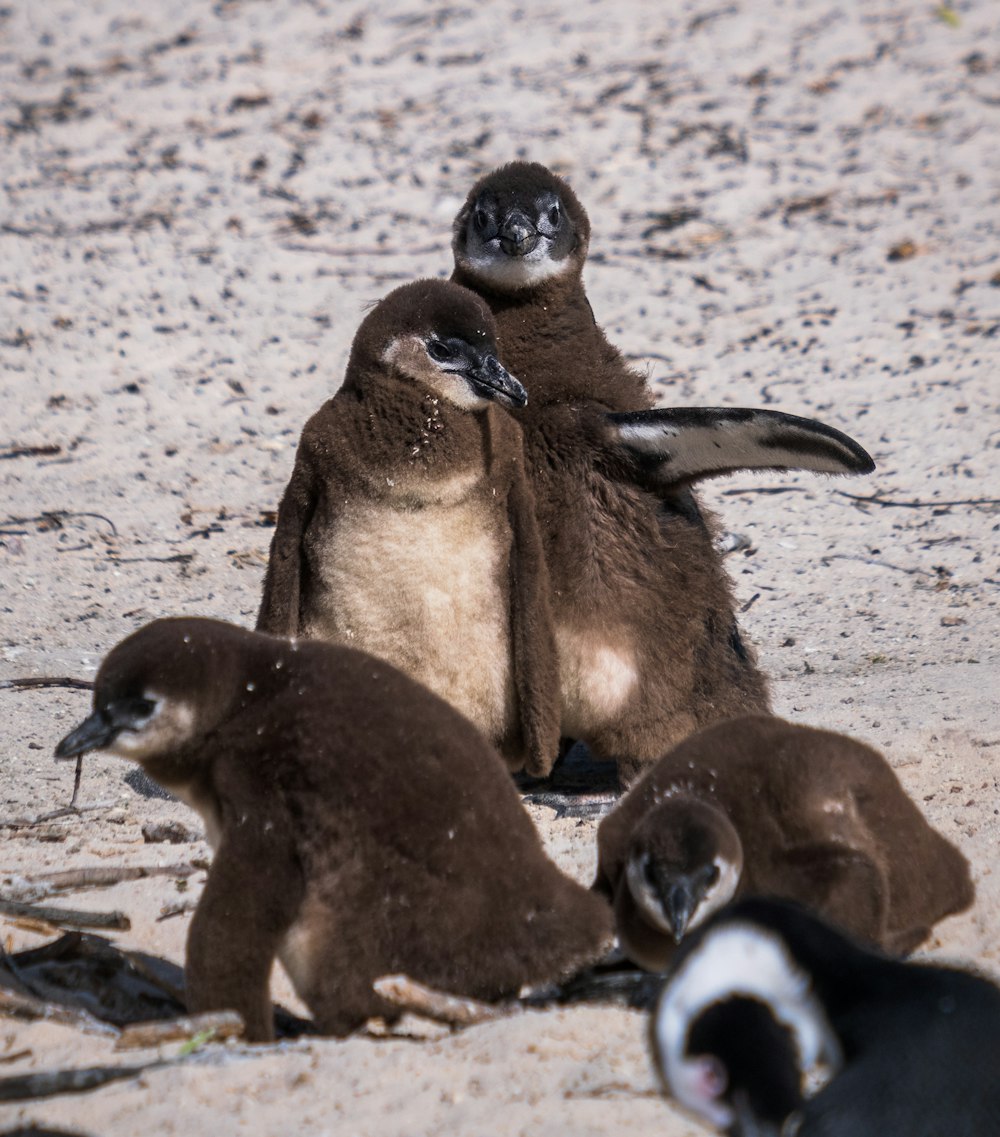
793, 205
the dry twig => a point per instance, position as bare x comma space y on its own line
874, 499
66, 917
103, 876
454, 1010
29, 1007
215, 1024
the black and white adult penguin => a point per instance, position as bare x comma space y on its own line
361, 826
757, 806
408, 527
649, 645
767, 994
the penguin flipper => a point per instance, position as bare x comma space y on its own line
280, 602
681, 445
253, 893
533, 646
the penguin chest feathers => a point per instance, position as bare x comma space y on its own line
419, 576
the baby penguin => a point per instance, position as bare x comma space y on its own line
645, 623
767, 994
361, 826
760, 806
408, 527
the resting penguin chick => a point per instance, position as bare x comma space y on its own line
760, 806
768, 993
408, 526
361, 825
649, 646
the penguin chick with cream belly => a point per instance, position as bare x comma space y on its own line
760, 806
361, 826
649, 646
408, 526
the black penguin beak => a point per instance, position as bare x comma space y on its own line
492, 381
517, 235
93, 734
680, 903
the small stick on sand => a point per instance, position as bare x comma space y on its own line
66, 917
28, 1007
217, 1025
52, 1082
45, 681
102, 876
453, 1010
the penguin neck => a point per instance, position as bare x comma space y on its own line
411, 430
551, 342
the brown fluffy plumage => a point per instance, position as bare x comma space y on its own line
408, 527
804, 814
649, 645
361, 825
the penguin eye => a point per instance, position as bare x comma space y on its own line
438, 351
554, 215
480, 218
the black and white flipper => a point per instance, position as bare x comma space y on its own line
685, 444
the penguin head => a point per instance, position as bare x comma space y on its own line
738, 1026
519, 227
684, 863
159, 690
440, 336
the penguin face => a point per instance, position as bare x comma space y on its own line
736, 1028
684, 863
466, 374
440, 335
158, 690
135, 726
519, 227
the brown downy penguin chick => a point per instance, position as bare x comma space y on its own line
408, 527
361, 825
649, 646
763, 807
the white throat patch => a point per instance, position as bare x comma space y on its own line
514, 272
169, 725
408, 355
737, 960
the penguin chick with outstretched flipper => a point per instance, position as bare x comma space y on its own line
361, 826
768, 994
645, 621
408, 527
760, 806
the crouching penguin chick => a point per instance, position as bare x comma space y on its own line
361, 826
760, 806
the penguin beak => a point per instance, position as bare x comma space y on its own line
679, 905
490, 380
104, 726
93, 734
517, 235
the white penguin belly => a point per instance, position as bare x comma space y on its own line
425, 589
596, 678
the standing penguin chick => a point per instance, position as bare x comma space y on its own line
408, 526
767, 994
649, 645
361, 825
760, 806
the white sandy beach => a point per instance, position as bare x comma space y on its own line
200, 198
